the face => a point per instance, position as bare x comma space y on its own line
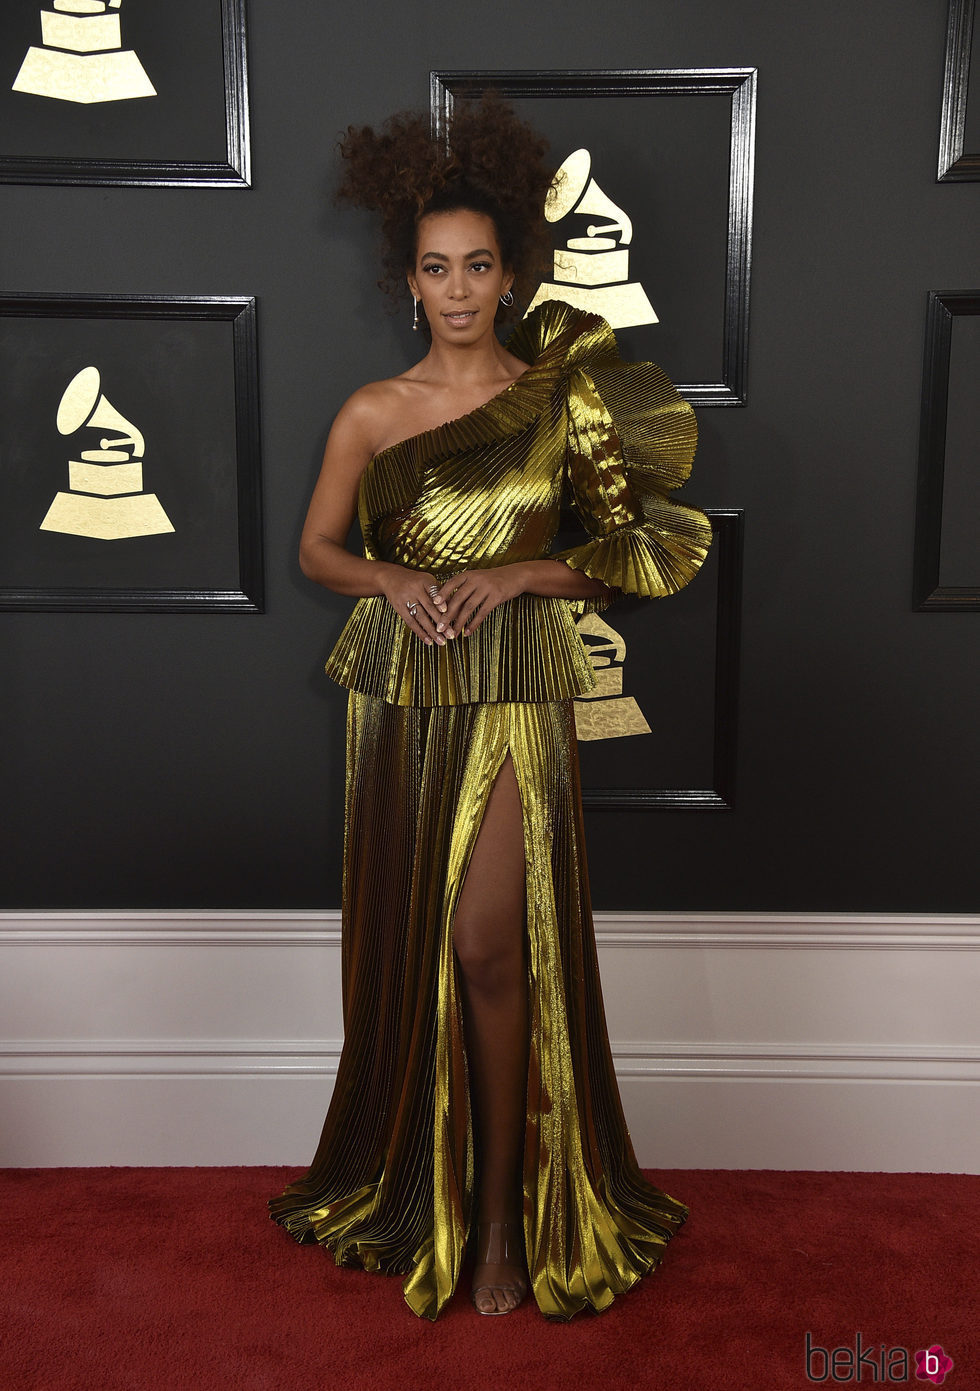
459, 274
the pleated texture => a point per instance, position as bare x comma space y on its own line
391, 1186
487, 489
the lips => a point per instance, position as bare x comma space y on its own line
462, 316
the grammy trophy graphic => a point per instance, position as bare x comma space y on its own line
105, 500
591, 272
81, 57
606, 713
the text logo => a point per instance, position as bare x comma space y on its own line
875, 1363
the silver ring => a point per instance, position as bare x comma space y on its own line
433, 590
412, 608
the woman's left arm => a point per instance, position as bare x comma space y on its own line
483, 590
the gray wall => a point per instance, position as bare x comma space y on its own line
197, 760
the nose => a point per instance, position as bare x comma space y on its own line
458, 288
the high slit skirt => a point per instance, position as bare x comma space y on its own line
391, 1186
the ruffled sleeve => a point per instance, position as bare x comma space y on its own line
630, 442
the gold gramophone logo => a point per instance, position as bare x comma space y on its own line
591, 272
105, 499
82, 58
606, 713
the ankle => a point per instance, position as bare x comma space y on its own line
510, 1219
500, 1243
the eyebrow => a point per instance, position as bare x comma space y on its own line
480, 251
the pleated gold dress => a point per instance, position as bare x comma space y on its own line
391, 1186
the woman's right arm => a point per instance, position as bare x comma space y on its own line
323, 555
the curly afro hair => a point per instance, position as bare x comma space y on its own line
493, 163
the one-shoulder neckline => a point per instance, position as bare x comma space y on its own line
456, 419
545, 339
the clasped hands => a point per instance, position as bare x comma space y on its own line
439, 613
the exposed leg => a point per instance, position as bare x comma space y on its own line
489, 939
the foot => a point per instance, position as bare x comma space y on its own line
499, 1277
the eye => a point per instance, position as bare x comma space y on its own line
433, 268
480, 265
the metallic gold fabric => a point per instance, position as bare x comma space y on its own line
486, 490
391, 1186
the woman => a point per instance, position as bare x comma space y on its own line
475, 1097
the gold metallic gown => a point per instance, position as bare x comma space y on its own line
391, 1187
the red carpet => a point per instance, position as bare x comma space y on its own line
175, 1280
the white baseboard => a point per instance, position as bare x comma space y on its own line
741, 1040
315, 927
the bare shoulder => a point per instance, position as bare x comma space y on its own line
382, 412
371, 415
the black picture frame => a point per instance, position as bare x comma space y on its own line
956, 163
739, 86
929, 594
728, 529
202, 379
215, 145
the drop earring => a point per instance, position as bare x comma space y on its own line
415, 321
507, 299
